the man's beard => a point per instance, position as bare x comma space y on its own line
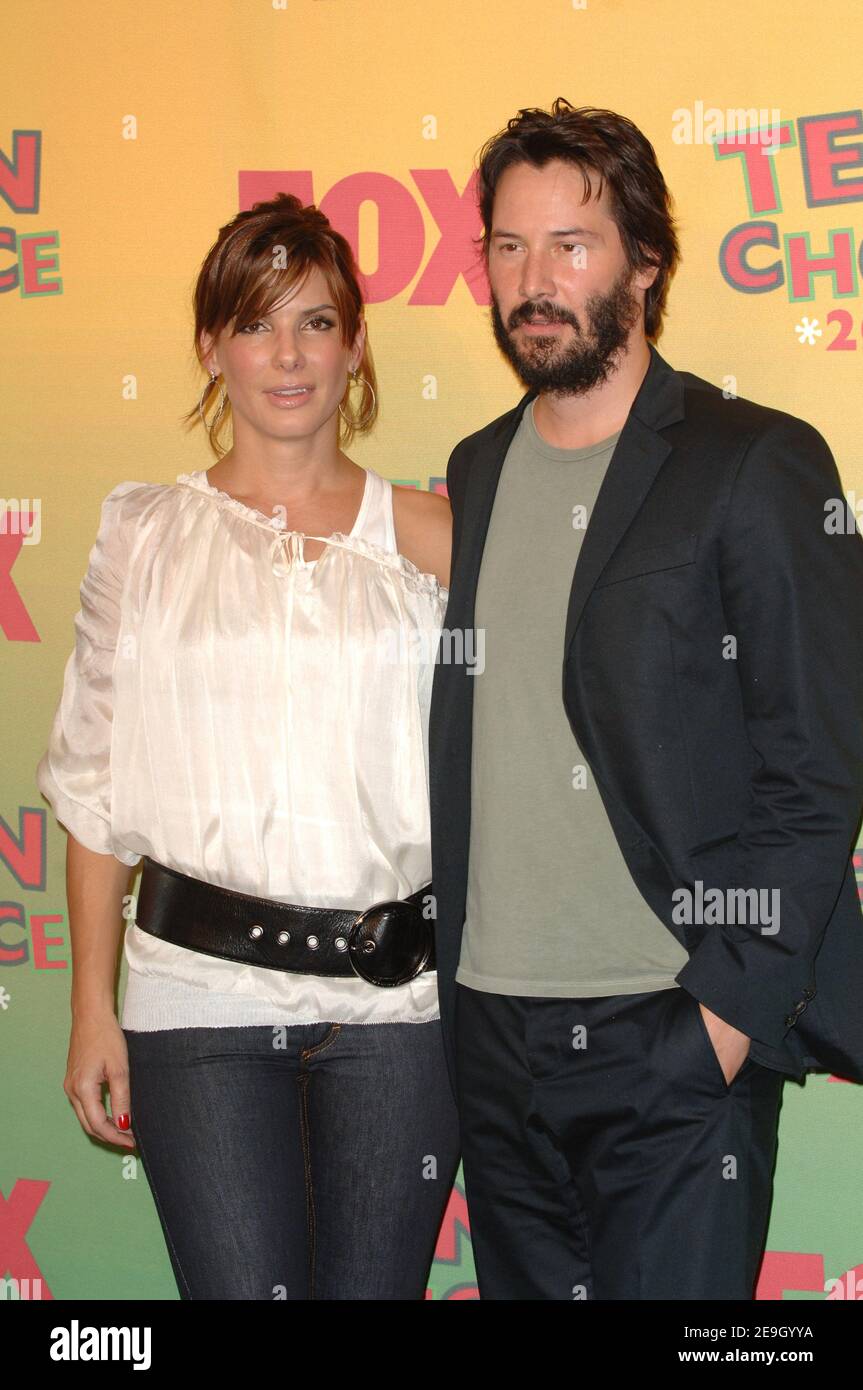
588, 361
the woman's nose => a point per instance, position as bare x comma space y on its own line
287, 353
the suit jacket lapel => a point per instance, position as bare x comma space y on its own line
638, 456
485, 470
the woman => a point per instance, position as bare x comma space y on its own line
246, 708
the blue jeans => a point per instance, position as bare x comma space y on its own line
307, 1161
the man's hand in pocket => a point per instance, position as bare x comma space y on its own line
730, 1045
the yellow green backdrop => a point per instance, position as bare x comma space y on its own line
129, 134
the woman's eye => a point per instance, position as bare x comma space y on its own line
259, 323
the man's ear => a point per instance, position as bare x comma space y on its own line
645, 277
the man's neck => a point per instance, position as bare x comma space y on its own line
577, 421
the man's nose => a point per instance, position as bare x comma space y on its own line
536, 281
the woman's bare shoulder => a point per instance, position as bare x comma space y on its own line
423, 522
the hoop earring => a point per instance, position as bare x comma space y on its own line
222, 398
355, 378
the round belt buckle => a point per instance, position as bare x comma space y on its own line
389, 943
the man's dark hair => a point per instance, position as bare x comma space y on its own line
611, 147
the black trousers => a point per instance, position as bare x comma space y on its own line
604, 1156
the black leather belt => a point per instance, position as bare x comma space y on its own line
386, 944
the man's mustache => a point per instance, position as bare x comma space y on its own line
541, 311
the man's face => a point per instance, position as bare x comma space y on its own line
564, 300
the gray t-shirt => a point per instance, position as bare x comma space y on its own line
552, 908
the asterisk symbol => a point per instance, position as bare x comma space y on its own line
807, 331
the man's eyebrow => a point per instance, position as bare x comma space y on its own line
563, 231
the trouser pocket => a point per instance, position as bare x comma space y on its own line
711, 1061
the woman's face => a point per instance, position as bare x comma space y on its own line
295, 345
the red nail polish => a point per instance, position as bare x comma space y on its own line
122, 1121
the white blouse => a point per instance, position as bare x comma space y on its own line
254, 719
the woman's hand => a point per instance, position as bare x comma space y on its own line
96, 887
98, 1053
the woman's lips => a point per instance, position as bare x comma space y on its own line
291, 402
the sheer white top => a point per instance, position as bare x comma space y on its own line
255, 719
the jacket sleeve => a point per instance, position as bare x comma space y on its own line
791, 589
74, 773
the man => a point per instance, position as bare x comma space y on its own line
645, 797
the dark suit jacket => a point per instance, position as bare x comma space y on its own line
744, 772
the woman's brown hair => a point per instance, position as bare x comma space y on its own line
256, 260
612, 147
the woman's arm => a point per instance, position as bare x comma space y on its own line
74, 775
95, 887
